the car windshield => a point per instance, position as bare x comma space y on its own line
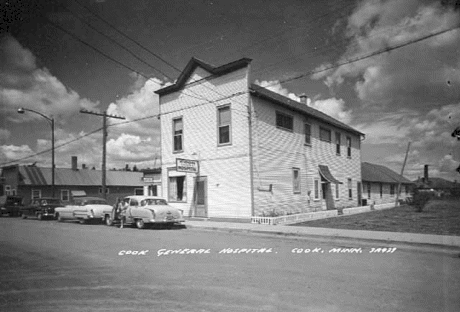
153, 201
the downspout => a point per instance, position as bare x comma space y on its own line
251, 160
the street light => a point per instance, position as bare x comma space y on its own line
51, 120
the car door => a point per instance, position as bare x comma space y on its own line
133, 208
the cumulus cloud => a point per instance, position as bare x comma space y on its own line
14, 152
333, 107
23, 84
131, 148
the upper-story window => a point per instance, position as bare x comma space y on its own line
324, 134
177, 134
307, 130
348, 146
284, 121
337, 143
224, 121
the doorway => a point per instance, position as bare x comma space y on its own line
201, 197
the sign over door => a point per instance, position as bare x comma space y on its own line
187, 165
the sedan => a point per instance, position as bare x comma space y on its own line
41, 208
83, 209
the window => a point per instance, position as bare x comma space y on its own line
392, 189
65, 195
177, 133
177, 189
368, 190
324, 134
36, 194
138, 191
153, 190
307, 130
337, 193
350, 189
284, 121
407, 189
106, 190
337, 143
224, 124
7, 189
348, 147
296, 180
316, 188
381, 190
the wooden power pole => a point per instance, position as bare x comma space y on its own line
402, 171
104, 143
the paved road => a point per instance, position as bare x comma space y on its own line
51, 266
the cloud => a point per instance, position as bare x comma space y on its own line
131, 148
14, 152
4, 134
23, 84
333, 107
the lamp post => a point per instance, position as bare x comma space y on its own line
51, 121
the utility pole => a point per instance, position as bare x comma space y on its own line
402, 171
104, 143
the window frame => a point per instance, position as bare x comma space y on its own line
229, 125
350, 189
307, 135
338, 139
62, 195
321, 130
316, 191
184, 190
348, 146
296, 181
138, 189
337, 191
32, 194
281, 114
181, 135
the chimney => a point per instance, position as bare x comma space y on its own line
303, 98
425, 174
74, 163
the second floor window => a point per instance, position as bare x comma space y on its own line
348, 147
284, 121
177, 133
224, 124
307, 134
325, 134
337, 143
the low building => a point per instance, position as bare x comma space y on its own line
247, 151
36, 182
380, 184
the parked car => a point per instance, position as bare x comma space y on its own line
84, 209
146, 210
42, 208
10, 205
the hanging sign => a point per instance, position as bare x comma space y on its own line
187, 165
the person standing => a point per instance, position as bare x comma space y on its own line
122, 214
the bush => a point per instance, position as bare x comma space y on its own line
420, 199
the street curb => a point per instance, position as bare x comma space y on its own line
455, 243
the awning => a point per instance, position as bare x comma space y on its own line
78, 193
326, 174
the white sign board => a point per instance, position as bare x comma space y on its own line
187, 165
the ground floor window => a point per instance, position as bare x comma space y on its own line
392, 189
36, 194
65, 195
153, 190
350, 189
381, 190
369, 190
296, 180
139, 191
316, 189
177, 189
337, 193
106, 190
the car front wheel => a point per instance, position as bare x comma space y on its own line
140, 224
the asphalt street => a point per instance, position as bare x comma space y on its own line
52, 266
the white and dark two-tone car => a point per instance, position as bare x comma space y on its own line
83, 209
146, 210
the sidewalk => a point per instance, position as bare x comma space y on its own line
315, 232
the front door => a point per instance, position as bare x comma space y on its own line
201, 197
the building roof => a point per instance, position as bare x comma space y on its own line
299, 107
194, 63
79, 177
377, 173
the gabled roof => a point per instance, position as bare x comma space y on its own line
377, 173
299, 107
194, 63
79, 177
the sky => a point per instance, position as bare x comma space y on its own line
60, 56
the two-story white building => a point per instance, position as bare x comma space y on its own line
259, 153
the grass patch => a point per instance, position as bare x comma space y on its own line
440, 217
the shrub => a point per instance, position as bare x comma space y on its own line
420, 199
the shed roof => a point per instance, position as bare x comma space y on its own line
299, 107
83, 177
377, 173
